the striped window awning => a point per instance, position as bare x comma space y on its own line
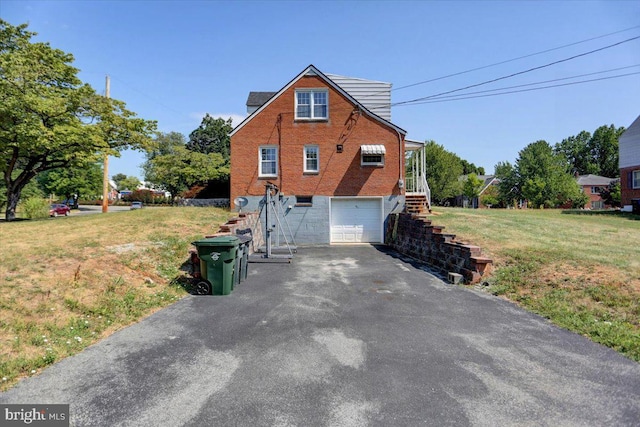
372, 149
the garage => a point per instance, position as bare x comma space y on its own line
356, 220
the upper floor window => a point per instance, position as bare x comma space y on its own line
268, 161
311, 159
596, 190
312, 104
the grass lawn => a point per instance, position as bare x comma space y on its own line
67, 282
580, 270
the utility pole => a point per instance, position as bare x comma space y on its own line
105, 176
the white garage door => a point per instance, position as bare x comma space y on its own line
356, 220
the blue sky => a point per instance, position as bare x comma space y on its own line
175, 61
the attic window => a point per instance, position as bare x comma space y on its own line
312, 104
372, 155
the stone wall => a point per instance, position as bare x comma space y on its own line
418, 238
216, 203
240, 225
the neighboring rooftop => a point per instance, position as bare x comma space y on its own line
595, 180
256, 99
487, 180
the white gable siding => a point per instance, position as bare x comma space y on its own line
373, 95
630, 146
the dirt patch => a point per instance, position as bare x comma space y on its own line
47, 291
596, 275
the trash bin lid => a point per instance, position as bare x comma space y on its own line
244, 238
220, 241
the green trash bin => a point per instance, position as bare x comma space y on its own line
243, 256
218, 256
236, 270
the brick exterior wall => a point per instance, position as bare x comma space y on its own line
418, 238
593, 197
626, 191
340, 173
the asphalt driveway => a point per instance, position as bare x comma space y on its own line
343, 336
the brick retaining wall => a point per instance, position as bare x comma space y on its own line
242, 222
418, 238
216, 203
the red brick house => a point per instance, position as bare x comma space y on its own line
593, 186
629, 162
338, 161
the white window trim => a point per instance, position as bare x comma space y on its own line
377, 164
635, 179
304, 158
263, 175
311, 105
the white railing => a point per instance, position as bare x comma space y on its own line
415, 175
427, 191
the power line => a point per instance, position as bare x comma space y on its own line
462, 97
515, 59
536, 83
146, 95
516, 74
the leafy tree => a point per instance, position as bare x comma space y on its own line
603, 148
32, 189
166, 143
443, 170
543, 179
177, 171
49, 119
471, 186
163, 144
80, 181
576, 154
592, 154
118, 178
129, 183
612, 195
212, 136
468, 168
508, 188
490, 196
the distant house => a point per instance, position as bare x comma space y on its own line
487, 182
113, 191
629, 163
593, 186
154, 190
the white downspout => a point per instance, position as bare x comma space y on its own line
401, 161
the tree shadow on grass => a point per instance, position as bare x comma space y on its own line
619, 214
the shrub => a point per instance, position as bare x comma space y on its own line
145, 196
36, 208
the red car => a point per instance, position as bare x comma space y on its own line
59, 209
